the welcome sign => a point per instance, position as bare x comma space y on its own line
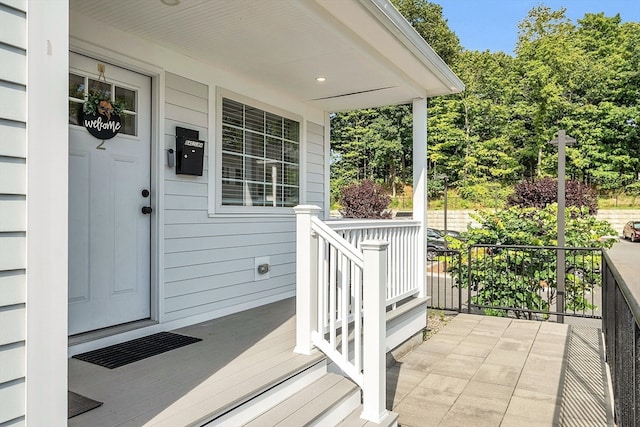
102, 126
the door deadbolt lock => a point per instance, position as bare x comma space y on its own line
146, 210
145, 193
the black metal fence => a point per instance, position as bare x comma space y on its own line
621, 317
518, 281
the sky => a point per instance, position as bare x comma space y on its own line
493, 24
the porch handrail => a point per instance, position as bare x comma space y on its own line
621, 328
332, 305
337, 241
403, 273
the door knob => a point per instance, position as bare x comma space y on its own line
146, 210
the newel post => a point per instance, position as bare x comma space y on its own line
306, 278
375, 330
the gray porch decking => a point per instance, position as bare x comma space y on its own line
236, 354
475, 371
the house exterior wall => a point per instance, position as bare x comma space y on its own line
32, 163
207, 259
13, 208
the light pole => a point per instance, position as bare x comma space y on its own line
561, 141
444, 178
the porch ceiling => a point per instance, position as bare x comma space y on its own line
368, 54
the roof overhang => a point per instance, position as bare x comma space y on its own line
367, 52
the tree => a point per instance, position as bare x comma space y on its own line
364, 199
543, 192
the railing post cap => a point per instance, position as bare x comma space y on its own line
306, 209
374, 245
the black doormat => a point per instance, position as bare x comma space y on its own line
131, 351
78, 404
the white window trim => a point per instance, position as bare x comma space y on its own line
215, 160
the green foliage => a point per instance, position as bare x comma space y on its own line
364, 199
525, 278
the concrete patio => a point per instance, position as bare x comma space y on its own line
487, 371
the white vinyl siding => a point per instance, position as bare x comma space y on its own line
209, 261
316, 166
13, 182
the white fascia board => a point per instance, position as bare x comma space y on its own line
389, 16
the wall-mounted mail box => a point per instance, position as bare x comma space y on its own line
189, 152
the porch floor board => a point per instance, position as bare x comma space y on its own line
237, 354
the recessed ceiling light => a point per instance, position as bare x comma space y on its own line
171, 2
321, 79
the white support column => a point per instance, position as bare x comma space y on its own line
306, 278
420, 186
374, 388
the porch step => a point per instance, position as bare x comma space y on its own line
326, 402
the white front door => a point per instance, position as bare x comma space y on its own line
109, 184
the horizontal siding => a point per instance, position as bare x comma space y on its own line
210, 261
12, 139
13, 315
13, 176
12, 251
12, 401
14, 65
13, 102
20, 5
315, 165
11, 362
13, 25
13, 213
13, 113
12, 287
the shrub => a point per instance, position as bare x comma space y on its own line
364, 199
543, 192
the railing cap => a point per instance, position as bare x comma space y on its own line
374, 245
307, 209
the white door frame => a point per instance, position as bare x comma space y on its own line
158, 157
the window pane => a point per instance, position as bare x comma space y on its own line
128, 97
253, 119
291, 175
231, 112
255, 195
274, 125
75, 113
291, 130
274, 149
232, 193
290, 152
100, 87
128, 122
231, 139
232, 166
291, 196
76, 86
254, 144
272, 168
255, 169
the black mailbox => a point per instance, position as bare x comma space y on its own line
189, 152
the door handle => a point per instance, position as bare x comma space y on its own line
147, 210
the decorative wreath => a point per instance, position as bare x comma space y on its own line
98, 102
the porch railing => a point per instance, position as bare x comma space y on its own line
403, 260
621, 327
340, 285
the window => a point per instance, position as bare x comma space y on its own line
260, 157
78, 89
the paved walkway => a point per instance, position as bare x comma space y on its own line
487, 371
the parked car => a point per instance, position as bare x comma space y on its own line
435, 243
631, 231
